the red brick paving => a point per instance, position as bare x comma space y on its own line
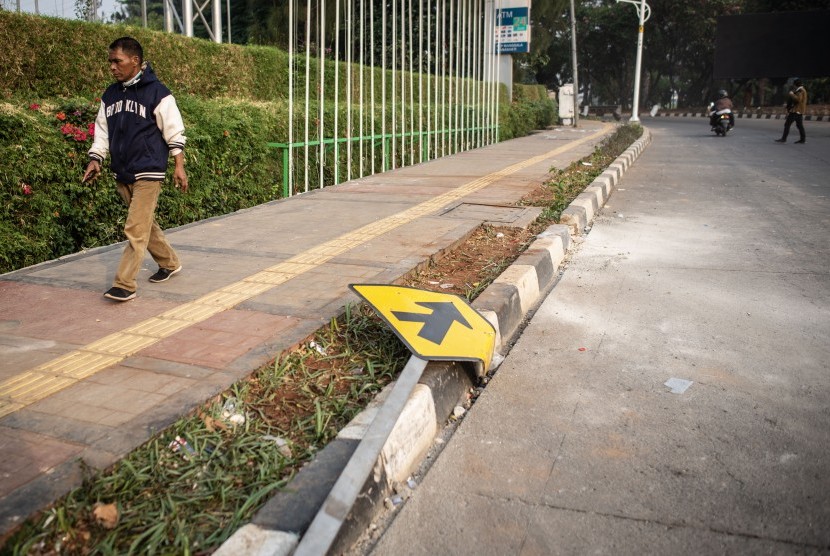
70, 316
220, 339
27, 455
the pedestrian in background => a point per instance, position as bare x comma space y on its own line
140, 126
796, 106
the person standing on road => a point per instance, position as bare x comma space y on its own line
140, 126
796, 106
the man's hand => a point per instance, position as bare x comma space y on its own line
179, 175
92, 170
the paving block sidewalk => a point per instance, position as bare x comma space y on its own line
254, 283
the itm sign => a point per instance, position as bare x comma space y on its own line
512, 26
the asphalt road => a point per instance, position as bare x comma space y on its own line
709, 265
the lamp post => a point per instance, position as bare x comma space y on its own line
573, 54
644, 12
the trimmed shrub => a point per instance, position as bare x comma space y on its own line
531, 109
232, 99
45, 57
46, 212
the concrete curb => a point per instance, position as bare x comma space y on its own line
582, 210
745, 115
277, 527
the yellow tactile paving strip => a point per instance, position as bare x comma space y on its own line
46, 379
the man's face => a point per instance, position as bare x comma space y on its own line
122, 66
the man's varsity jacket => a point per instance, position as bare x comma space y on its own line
140, 126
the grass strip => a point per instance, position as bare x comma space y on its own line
188, 488
565, 185
470, 269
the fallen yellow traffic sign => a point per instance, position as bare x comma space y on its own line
433, 325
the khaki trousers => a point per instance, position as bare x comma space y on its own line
143, 233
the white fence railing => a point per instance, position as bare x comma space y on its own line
376, 89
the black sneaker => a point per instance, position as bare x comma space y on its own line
163, 275
780, 140
801, 141
119, 294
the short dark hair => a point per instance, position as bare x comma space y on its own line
128, 46
797, 82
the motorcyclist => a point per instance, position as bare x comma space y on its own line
722, 104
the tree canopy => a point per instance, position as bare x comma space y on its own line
678, 49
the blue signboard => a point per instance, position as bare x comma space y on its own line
513, 28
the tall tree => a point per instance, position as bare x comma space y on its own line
546, 63
680, 42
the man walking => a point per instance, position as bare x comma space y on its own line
140, 126
796, 106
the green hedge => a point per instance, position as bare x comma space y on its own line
54, 67
47, 57
46, 212
529, 93
531, 109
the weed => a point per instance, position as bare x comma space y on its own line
190, 497
564, 185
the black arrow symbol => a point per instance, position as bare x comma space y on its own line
438, 322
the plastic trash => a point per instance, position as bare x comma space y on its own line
230, 407
320, 349
179, 444
678, 385
282, 445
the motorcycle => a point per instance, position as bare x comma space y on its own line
721, 121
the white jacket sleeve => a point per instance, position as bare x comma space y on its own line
100, 141
169, 121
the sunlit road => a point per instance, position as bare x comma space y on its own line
709, 269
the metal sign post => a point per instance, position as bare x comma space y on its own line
322, 533
433, 325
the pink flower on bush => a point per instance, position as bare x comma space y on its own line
75, 124
27, 189
34, 106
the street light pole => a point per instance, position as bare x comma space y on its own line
644, 12
573, 53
